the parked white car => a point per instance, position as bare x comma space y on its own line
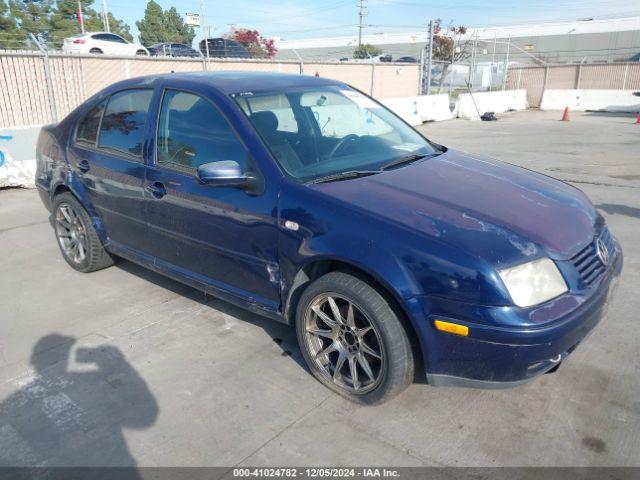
102, 43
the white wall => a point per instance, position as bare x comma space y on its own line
582, 100
18, 156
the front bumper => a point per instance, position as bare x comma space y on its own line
494, 355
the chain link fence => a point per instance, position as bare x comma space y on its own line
38, 87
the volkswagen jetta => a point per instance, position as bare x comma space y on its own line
306, 201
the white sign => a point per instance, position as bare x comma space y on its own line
192, 19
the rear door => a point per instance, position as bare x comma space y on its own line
222, 237
108, 154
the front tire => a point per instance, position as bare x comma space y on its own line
77, 238
352, 340
142, 53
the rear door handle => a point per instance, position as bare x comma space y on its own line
84, 166
156, 189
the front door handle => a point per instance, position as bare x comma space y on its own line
84, 166
156, 189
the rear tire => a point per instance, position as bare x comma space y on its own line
352, 340
96, 51
142, 53
77, 238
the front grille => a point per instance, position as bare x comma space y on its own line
588, 263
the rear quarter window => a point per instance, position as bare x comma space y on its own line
87, 129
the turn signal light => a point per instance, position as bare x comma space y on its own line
452, 328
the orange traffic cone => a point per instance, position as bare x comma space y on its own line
638, 119
565, 115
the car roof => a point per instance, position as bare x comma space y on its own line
228, 82
169, 43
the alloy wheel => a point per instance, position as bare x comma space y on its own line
344, 344
71, 233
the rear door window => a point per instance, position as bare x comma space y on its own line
123, 126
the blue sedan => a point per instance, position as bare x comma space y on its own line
306, 201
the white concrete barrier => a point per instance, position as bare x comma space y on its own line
404, 107
582, 100
18, 156
433, 108
423, 108
497, 102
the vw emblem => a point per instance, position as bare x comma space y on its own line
602, 251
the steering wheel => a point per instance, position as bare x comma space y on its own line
342, 142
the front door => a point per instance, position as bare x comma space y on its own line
108, 156
222, 237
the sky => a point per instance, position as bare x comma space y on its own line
291, 19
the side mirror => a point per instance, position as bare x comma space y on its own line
225, 173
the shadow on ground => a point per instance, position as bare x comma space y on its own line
283, 335
75, 418
616, 209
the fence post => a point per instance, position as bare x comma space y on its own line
519, 77
624, 80
579, 74
544, 84
430, 57
493, 61
300, 60
421, 73
506, 64
47, 75
373, 75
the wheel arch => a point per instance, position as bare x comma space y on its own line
319, 267
64, 187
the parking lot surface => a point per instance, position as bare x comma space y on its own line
125, 367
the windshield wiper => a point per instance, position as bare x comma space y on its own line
344, 176
407, 159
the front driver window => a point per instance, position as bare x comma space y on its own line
192, 132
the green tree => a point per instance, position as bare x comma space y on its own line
159, 26
177, 30
32, 16
366, 50
11, 37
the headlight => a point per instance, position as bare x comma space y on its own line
533, 282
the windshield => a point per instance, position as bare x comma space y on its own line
320, 132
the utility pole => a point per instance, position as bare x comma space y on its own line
430, 56
105, 16
80, 16
361, 26
204, 34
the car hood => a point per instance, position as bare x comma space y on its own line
491, 209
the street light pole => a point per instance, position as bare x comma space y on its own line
105, 16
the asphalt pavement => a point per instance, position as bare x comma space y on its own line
125, 367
